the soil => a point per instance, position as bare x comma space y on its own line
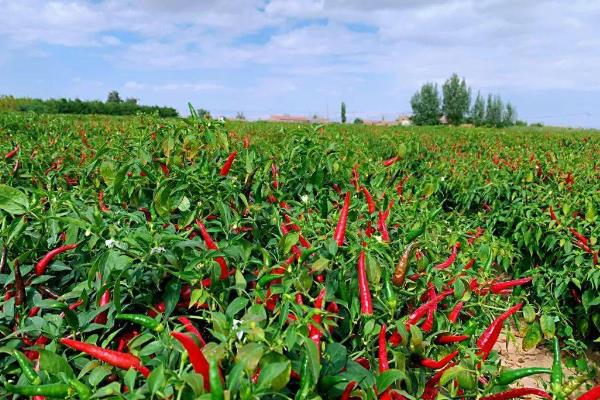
512, 356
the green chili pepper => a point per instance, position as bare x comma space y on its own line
265, 279
574, 383
82, 390
27, 368
388, 290
510, 375
305, 380
266, 258
415, 233
556, 377
143, 320
60, 390
216, 386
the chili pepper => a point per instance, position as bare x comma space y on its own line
368, 199
19, 284
33, 312
556, 377
390, 161
569, 387
383, 358
199, 362
489, 337
355, 178
103, 206
82, 390
450, 259
402, 267
274, 174
340, 229
592, 394
428, 324
214, 376
447, 339
26, 368
579, 236
111, 357
104, 300
388, 290
382, 227
246, 142
431, 390
146, 212
501, 286
227, 166
54, 390
519, 392
348, 390
12, 153
41, 266
165, 169
211, 245
143, 320
313, 332
366, 303
508, 376
125, 339
469, 264
305, 380
424, 308
435, 364
552, 214
189, 326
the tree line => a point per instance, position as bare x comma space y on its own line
113, 105
429, 108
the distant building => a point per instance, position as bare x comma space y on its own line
379, 122
443, 120
289, 118
404, 120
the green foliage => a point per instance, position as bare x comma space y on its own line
426, 105
343, 112
457, 99
113, 97
478, 111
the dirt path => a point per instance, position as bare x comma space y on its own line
513, 356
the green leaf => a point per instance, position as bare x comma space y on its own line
290, 240
12, 200
386, 378
548, 326
236, 306
156, 380
590, 298
249, 355
54, 364
533, 337
275, 376
171, 296
529, 313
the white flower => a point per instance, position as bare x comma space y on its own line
157, 250
111, 243
443, 178
236, 325
304, 198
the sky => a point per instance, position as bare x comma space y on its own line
306, 56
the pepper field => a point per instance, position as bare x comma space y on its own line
189, 258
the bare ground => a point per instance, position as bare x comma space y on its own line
513, 356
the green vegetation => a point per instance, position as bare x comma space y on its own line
172, 258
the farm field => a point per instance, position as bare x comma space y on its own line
190, 258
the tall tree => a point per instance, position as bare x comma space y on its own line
493, 111
509, 116
343, 112
478, 112
426, 105
457, 99
113, 97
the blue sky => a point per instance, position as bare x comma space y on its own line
306, 56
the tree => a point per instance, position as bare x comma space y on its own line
343, 112
203, 114
426, 105
493, 111
509, 116
240, 116
113, 97
130, 100
457, 99
358, 121
478, 112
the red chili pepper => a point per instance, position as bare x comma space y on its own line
34, 311
395, 339
583, 247
447, 339
488, 338
382, 227
211, 245
428, 324
431, 390
348, 390
579, 236
368, 199
384, 364
104, 300
199, 362
450, 259
246, 142
125, 339
355, 178
227, 166
340, 230
187, 324
501, 286
274, 174
552, 214
41, 266
424, 308
296, 228
103, 206
592, 394
114, 358
313, 332
363, 362
517, 393
366, 303
165, 169
474, 235
12, 153
469, 264
390, 161
434, 364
